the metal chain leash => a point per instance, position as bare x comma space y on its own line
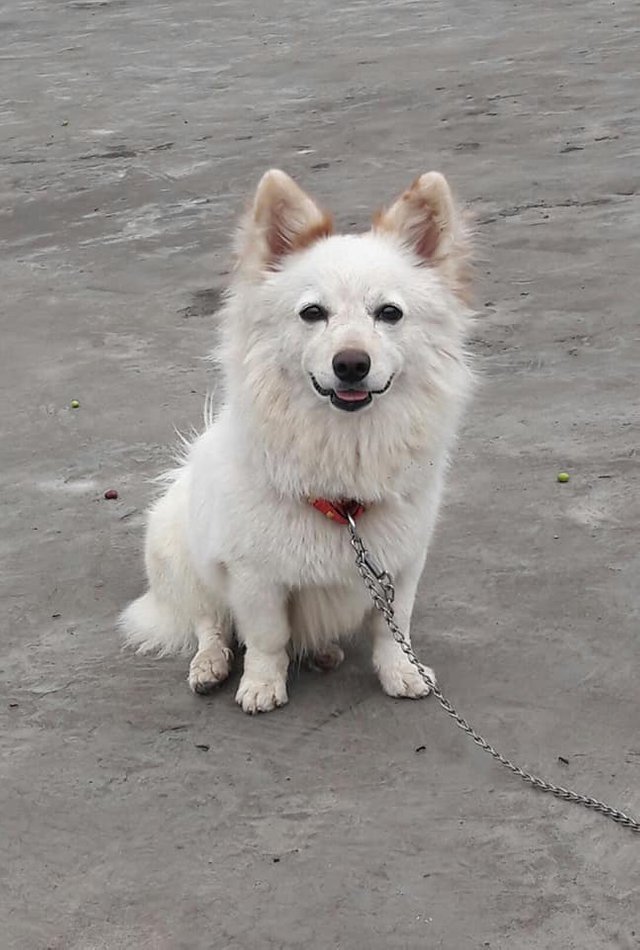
381, 590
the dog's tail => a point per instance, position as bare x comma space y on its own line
149, 626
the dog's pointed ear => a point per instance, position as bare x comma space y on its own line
282, 219
426, 220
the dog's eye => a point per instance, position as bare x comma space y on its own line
313, 313
388, 313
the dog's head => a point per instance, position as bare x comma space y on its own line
349, 335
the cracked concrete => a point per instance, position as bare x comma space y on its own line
135, 815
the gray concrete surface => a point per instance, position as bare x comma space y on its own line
134, 815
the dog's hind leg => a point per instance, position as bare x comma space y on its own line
165, 619
211, 664
327, 658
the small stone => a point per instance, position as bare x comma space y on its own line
111, 494
563, 477
75, 404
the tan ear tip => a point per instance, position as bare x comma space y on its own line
275, 176
432, 181
271, 187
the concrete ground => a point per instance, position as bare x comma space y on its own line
135, 816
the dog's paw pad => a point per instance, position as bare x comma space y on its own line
261, 695
327, 659
209, 668
403, 681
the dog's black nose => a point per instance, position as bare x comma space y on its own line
351, 366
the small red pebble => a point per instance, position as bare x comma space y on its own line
111, 494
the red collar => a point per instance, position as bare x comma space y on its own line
338, 510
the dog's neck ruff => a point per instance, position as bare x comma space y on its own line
338, 510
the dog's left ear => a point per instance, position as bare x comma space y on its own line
283, 219
425, 219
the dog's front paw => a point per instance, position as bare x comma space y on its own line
261, 694
401, 679
209, 668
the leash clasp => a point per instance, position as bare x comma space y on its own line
380, 580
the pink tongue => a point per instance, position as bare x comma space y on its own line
351, 395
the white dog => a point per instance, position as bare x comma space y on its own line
345, 372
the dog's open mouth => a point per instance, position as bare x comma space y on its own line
347, 399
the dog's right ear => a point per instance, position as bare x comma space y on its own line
282, 219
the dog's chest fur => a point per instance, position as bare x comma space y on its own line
237, 516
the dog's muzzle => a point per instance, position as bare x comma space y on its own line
348, 398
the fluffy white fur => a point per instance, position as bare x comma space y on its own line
234, 545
